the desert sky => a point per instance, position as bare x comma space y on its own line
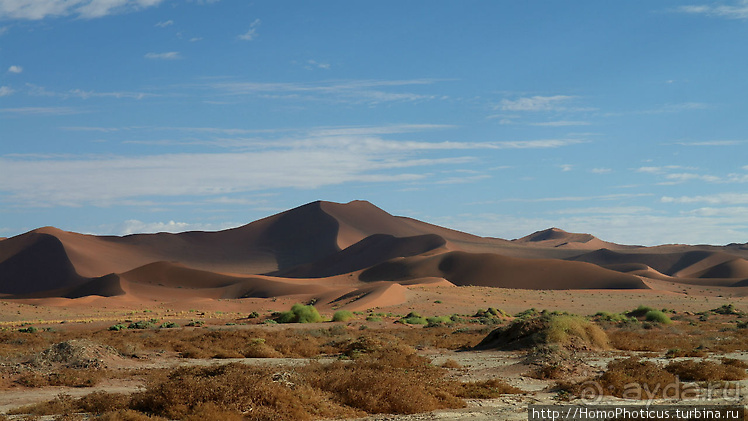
624, 119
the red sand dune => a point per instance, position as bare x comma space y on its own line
352, 254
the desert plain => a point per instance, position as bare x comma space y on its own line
103, 327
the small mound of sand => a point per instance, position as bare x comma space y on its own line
80, 353
566, 331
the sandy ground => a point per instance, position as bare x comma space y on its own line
90, 313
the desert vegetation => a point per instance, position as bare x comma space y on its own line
351, 368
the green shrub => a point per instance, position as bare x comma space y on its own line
342, 316
657, 316
169, 325
438, 320
141, 325
299, 313
30, 329
117, 327
253, 315
373, 319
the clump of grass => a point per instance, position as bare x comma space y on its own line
169, 325
639, 311
413, 318
438, 321
657, 316
342, 316
300, 313
605, 316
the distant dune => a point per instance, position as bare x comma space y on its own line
354, 255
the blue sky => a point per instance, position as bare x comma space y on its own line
624, 119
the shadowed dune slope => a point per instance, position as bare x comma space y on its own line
371, 250
683, 264
35, 262
492, 270
170, 276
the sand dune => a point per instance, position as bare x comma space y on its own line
492, 270
353, 254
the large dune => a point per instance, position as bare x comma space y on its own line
353, 254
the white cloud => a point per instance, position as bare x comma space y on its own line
5, 91
562, 123
352, 91
312, 64
601, 170
40, 111
251, 34
738, 10
535, 103
133, 226
195, 39
566, 167
15, 69
683, 177
713, 143
171, 55
3, 30
89, 9
623, 225
164, 24
712, 199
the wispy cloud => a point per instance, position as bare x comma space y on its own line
713, 143
601, 170
36, 90
87, 9
15, 69
712, 199
345, 91
562, 123
164, 24
40, 111
307, 159
313, 64
171, 55
536, 103
737, 10
251, 34
6, 90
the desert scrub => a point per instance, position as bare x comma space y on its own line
299, 313
342, 316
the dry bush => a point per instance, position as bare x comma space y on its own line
235, 388
62, 404
632, 379
103, 402
623, 373
486, 389
386, 381
129, 415
450, 363
63, 377
704, 371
